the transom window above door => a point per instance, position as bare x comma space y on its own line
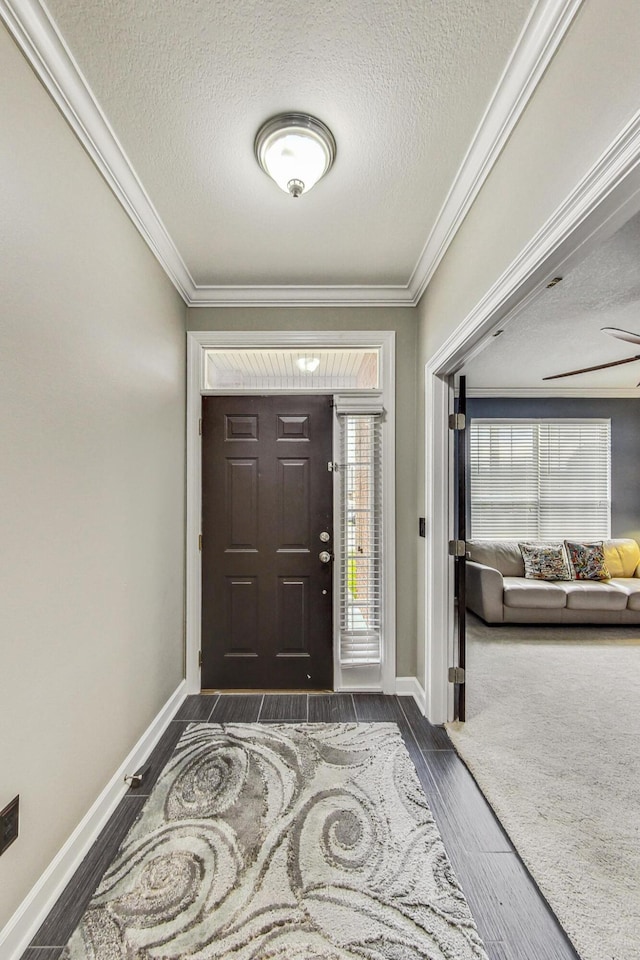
287, 369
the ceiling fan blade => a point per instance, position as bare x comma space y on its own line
621, 334
599, 366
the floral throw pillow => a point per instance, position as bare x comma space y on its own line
545, 561
587, 560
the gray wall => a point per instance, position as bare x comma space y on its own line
403, 321
625, 443
92, 387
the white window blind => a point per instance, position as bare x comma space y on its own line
540, 479
360, 540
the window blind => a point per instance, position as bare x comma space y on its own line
360, 540
540, 479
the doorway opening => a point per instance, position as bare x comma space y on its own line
553, 639
601, 203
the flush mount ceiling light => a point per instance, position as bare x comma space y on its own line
295, 150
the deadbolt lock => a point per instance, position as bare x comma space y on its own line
325, 557
325, 537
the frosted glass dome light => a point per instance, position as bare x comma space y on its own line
295, 150
309, 364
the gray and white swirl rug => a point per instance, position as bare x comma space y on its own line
286, 842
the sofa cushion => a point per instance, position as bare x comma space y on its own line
594, 595
630, 586
519, 592
545, 561
587, 560
502, 555
621, 557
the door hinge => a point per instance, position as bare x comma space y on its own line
332, 466
199, 658
457, 421
457, 548
199, 541
200, 426
456, 675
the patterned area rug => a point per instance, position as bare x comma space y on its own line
286, 842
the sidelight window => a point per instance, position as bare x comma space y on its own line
360, 540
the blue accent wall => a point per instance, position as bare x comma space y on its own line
625, 442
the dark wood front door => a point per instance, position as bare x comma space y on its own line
267, 495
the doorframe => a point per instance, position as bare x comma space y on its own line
606, 197
200, 341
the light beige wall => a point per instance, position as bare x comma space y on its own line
92, 508
403, 321
590, 91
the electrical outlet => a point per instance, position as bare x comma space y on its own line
9, 818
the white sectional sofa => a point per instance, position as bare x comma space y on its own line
498, 592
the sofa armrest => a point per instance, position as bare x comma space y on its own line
484, 591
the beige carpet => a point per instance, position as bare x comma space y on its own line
553, 739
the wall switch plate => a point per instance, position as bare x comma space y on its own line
9, 818
422, 527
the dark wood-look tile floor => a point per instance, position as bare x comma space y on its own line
42, 953
513, 918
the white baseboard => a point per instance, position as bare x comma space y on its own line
25, 922
410, 687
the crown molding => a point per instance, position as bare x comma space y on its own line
279, 339
533, 393
600, 203
36, 34
541, 36
38, 37
351, 295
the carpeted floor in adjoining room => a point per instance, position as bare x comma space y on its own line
553, 739
282, 841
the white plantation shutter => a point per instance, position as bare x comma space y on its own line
540, 479
360, 539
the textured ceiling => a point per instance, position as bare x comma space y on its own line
186, 84
561, 329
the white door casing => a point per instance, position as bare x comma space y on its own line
602, 202
362, 678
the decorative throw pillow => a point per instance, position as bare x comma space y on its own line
545, 561
587, 560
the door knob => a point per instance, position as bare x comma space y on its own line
325, 557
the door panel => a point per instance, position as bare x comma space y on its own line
293, 428
293, 619
242, 615
266, 497
241, 428
461, 564
241, 504
293, 505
